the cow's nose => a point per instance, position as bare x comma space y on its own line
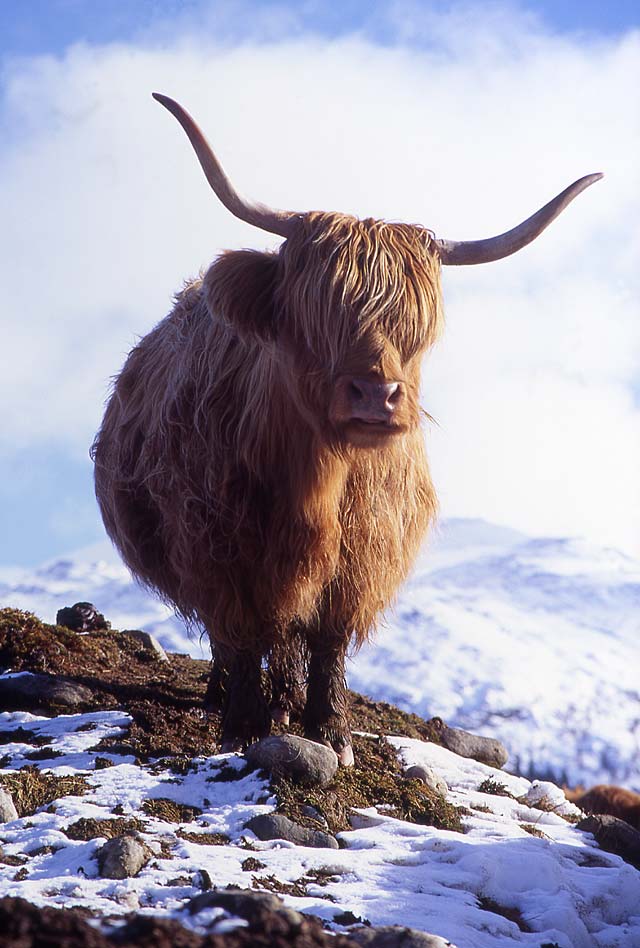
374, 401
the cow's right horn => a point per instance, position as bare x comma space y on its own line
267, 218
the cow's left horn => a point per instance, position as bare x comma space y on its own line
267, 218
459, 253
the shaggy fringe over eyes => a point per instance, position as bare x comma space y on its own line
344, 278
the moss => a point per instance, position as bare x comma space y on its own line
250, 864
31, 788
272, 884
102, 763
375, 780
171, 812
205, 839
110, 829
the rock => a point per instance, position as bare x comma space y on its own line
429, 777
8, 810
82, 617
303, 761
487, 750
148, 642
24, 691
245, 903
395, 936
123, 857
614, 836
278, 826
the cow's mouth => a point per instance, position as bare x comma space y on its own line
358, 430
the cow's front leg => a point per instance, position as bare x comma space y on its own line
288, 661
245, 715
326, 713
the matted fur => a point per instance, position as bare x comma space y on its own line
220, 474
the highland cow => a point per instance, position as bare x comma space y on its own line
261, 463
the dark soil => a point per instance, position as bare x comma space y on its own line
22, 925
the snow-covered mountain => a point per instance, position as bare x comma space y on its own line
534, 641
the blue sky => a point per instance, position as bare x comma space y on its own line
353, 80
48, 26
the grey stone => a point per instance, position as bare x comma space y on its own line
23, 692
429, 777
123, 857
245, 903
614, 836
82, 617
278, 826
8, 810
395, 936
303, 761
148, 642
487, 750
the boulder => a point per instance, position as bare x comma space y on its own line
279, 826
395, 936
486, 750
8, 810
303, 761
614, 836
123, 857
429, 777
25, 690
82, 617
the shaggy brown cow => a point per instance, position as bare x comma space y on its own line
261, 463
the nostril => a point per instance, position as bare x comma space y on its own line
355, 391
394, 392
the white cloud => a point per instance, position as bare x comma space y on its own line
464, 130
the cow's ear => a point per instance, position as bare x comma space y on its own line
239, 287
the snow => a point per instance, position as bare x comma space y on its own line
533, 641
563, 888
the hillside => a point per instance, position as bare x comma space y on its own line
104, 741
534, 641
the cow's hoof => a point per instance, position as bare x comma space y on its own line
231, 747
345, 756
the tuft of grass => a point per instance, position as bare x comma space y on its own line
495, 788
533, 830
375, 780
31, 788
170, 811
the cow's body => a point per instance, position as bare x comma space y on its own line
261, 462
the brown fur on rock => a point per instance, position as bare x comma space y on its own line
609, 799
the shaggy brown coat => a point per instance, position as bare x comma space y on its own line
231, 480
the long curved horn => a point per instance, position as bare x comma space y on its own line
267, 218
459, 253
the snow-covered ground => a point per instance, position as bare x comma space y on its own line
533, 641
513, 856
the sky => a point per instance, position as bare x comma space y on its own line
464, 117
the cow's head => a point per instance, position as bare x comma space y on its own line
353, 304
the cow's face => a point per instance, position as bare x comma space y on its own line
357, 305
347, 308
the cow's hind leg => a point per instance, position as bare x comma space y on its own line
326, 713
245, 714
